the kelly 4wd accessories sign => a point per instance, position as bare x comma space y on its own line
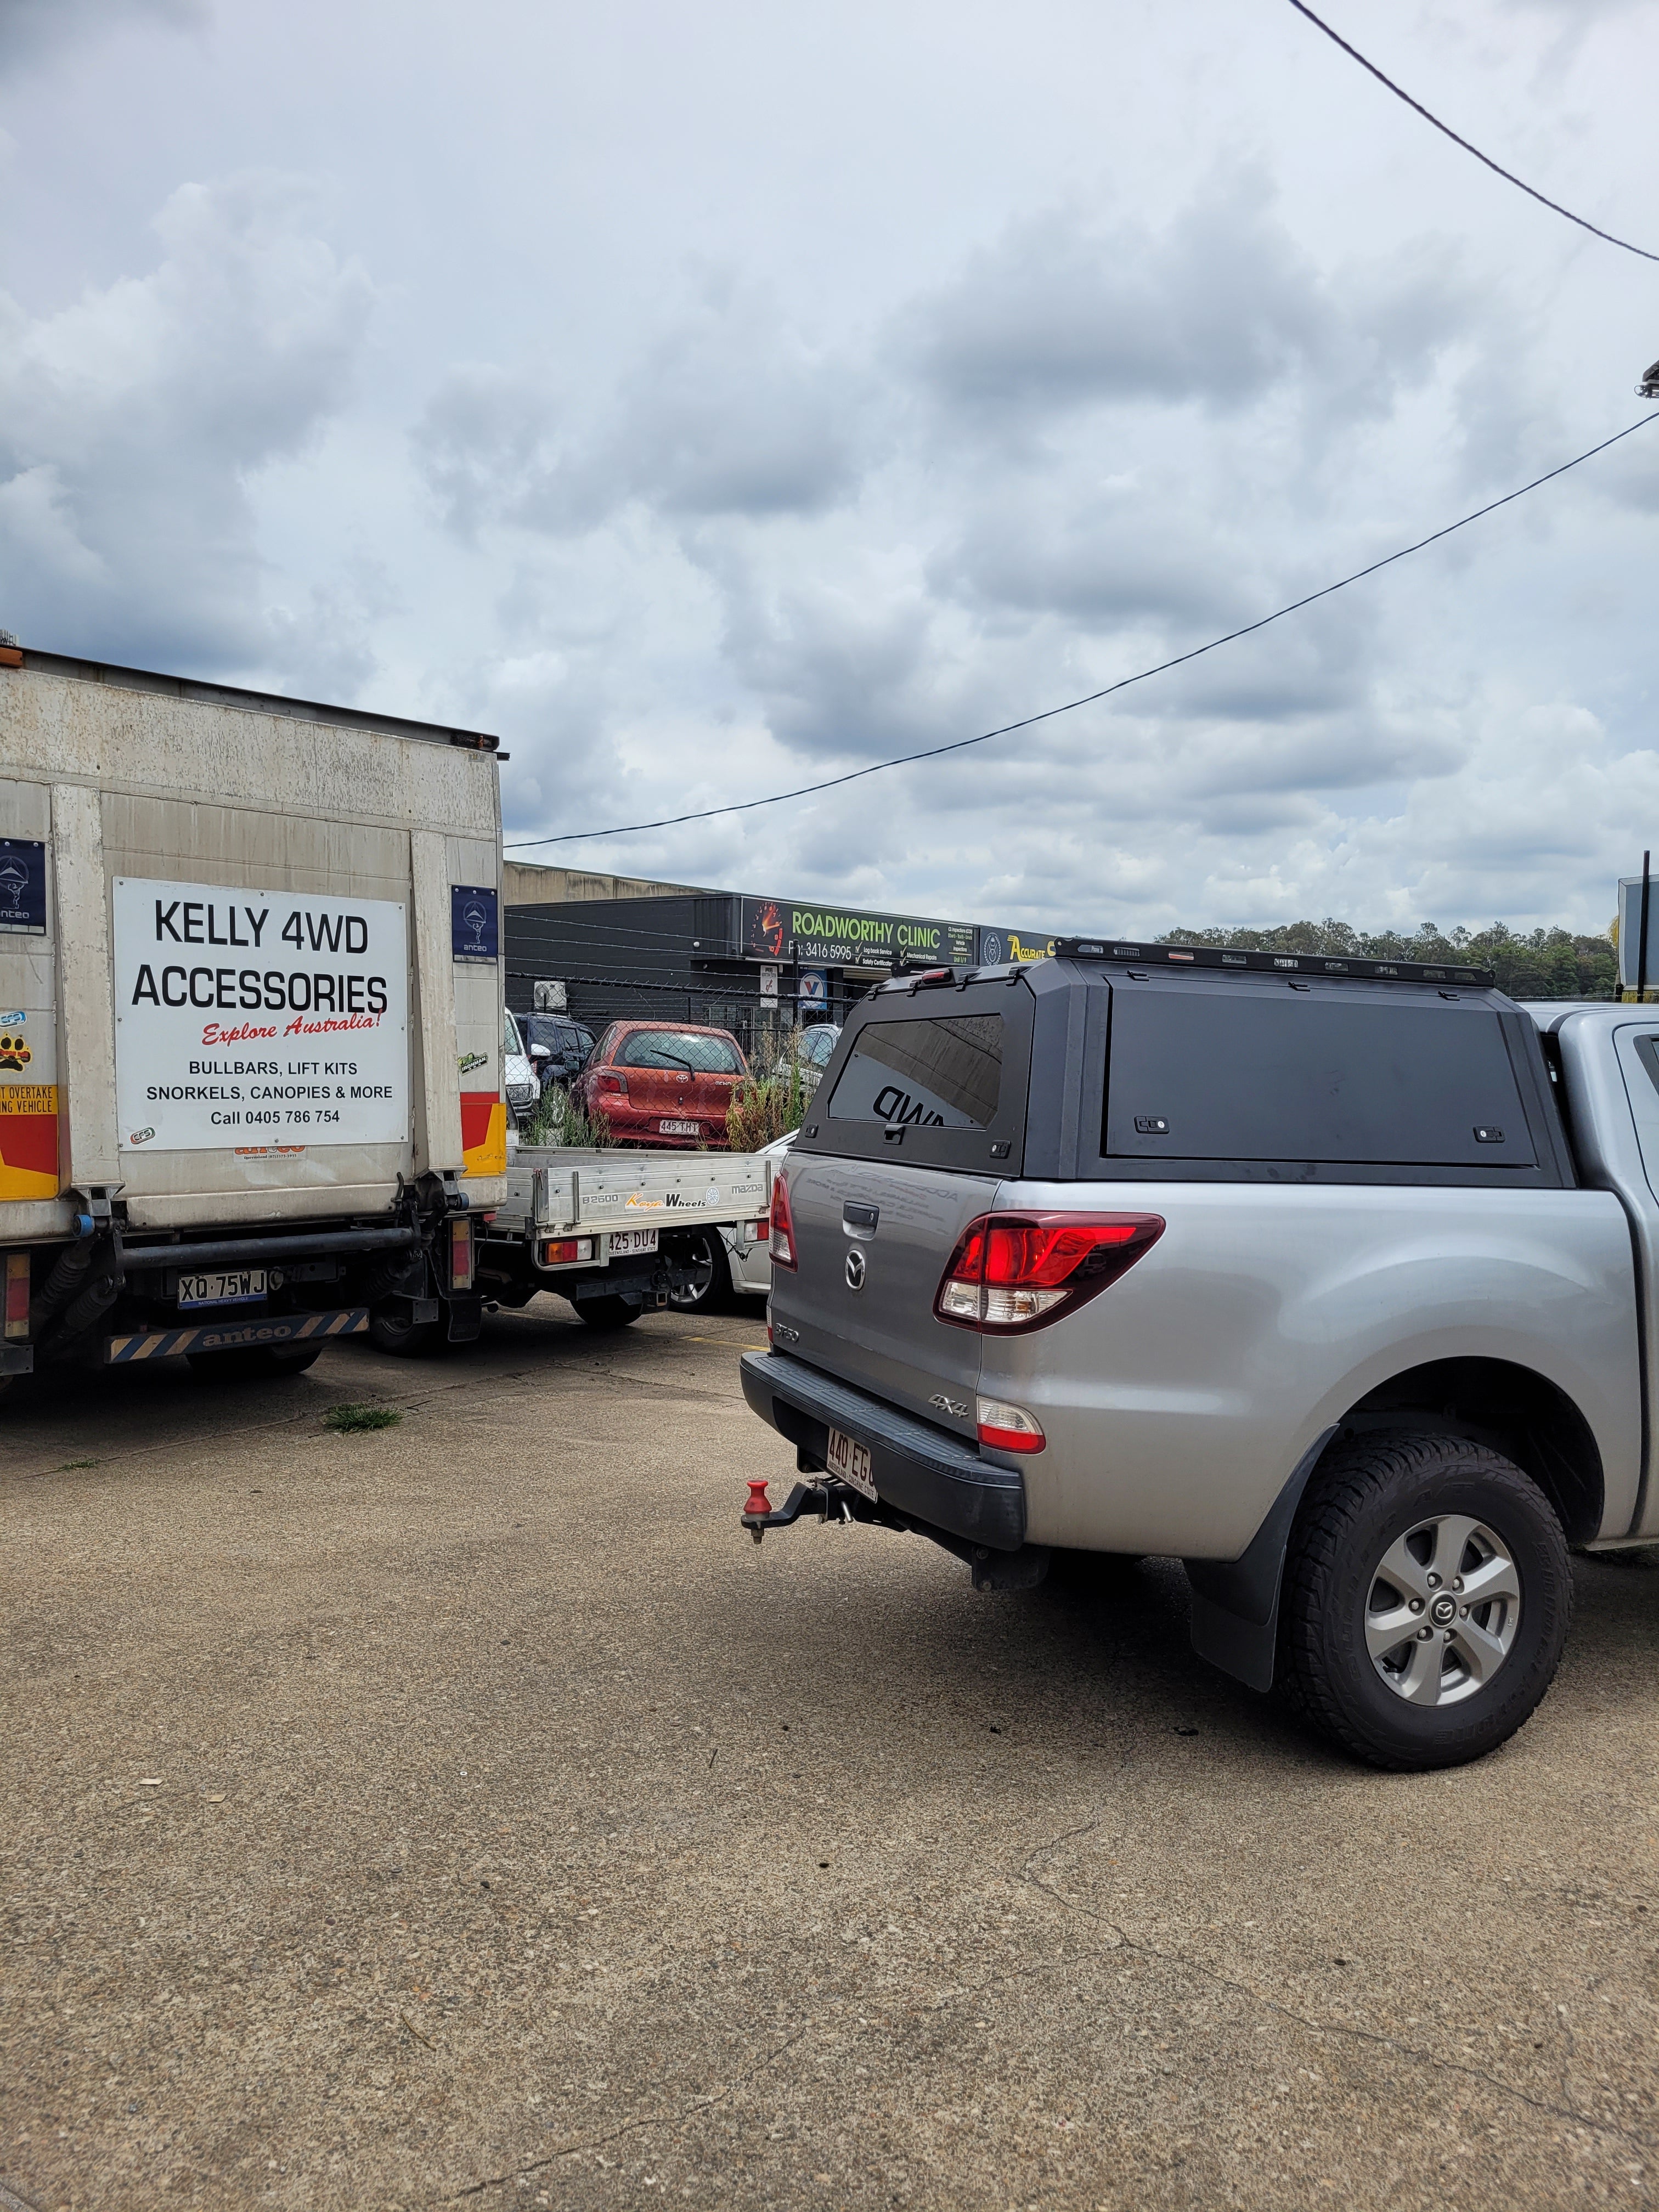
249, 1018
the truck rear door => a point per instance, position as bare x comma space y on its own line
919, 1118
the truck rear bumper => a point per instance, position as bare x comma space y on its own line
928, 1476
235, 1335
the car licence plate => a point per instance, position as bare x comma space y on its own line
240, 1288
632, 1240
680, 1128
851, 1462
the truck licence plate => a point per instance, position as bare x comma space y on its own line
632, 1240
680, 1129
242, 1288
851, 1462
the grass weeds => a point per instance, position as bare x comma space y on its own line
351, 1420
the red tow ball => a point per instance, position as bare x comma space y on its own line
759, 1500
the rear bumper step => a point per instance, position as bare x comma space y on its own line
235, 1335
929, 1479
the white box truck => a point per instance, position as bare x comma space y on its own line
251, 1021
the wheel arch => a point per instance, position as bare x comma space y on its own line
1511, 1409
1514, 1410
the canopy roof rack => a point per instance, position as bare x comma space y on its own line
1272, 963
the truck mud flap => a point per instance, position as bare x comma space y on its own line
232, 1336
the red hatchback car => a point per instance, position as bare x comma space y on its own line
657, 1082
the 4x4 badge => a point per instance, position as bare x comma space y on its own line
855, 1269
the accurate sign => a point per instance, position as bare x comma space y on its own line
247, 1018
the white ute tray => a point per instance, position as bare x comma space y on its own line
559, 1188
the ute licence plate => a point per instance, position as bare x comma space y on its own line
851, 1462
680, 1128
240, 1288
632, 1240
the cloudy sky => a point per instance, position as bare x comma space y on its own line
713, 399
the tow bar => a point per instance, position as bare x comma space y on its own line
831, 1499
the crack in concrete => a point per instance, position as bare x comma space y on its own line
679, 2119
1372, 2036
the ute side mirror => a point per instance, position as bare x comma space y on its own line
539, 1052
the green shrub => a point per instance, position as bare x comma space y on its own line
763, 1111
559, 1120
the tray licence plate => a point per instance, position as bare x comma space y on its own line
632, 1240
680, 1129
851, 1462
239, 1288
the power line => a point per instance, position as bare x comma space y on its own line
1047, 714
1399, 93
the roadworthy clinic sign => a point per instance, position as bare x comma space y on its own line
247, 1018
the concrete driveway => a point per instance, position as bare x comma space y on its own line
467, 1814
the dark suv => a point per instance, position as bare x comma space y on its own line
557, 1045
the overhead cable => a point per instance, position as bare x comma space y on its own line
1070, 706
1508, 175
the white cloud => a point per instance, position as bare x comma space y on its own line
132, 422
740, 406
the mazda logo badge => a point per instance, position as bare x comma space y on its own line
855, 1269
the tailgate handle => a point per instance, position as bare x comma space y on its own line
858, 1219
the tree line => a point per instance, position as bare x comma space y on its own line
1539, 963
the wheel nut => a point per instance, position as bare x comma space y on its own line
1424, 1634
1457, 1582
1416, 1605
1434, 1581
1466, 1613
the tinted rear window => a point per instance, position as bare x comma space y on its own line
1248, 1072
679, 1051
944, 1073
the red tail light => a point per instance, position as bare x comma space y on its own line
17, 1294
783, 1234
608, 1080
1018, 1271
460, 1255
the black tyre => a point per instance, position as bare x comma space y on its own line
711, 1284
1400, 1535
248, 1362
407, 1339
609, 1313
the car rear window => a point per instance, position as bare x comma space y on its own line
1245, 1072
678, 1051
943, 1073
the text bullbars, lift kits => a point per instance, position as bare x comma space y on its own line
1179, 957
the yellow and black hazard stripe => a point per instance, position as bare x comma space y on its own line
234, 1336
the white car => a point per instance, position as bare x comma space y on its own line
518, 1077
749, 1256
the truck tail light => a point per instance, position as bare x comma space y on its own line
564, 1250
17, 1294
1018, 1271
783, 1234
760, 1229
1009, 1428
607, 1080
460, 1255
